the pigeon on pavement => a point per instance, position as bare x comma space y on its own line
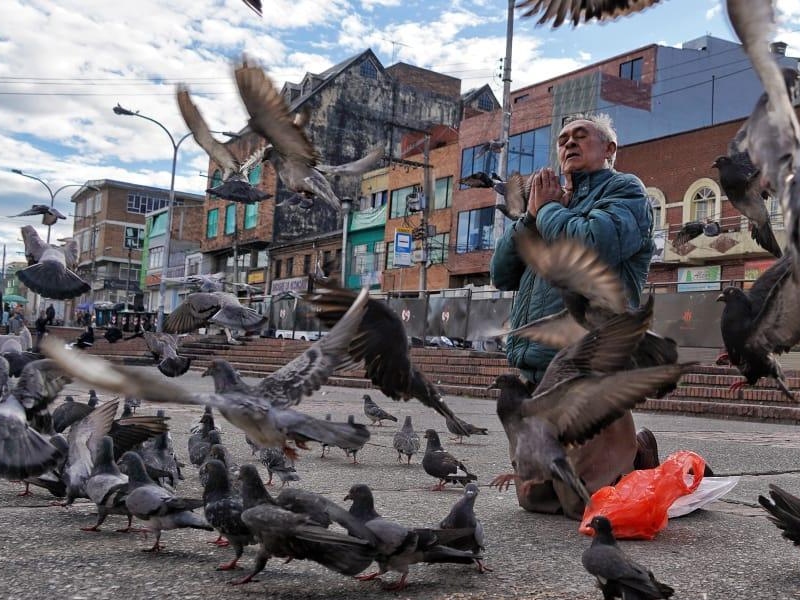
460, 428
617, 575
159, 453
199, 443
325, 447
161, 509
70, 412
164, 348
442, 465
761, 322
784, 512
49, 273
53, 478
462, 515
406, 441
375, 413
397, 547
223, 511
278, 463
220, 453
106, 486
351, 449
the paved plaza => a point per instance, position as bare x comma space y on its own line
728, 552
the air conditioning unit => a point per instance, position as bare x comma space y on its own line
413, 203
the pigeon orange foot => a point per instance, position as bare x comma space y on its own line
735, 387
220, 542
482, 568
291, 453
398, 585
229, 566
369, 577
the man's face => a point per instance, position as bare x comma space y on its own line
580, 148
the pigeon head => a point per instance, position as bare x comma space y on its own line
367, 399
732, 295
217, 480
721, 162
363, 507
471, 490
213, 438
69, 399
93, 399
407, 423
252, 487
104, 458
217, 451
509, 382
433, 439
132, 465
223, 373
602, 528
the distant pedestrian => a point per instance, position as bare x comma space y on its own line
41, 329
50, 314
16, 323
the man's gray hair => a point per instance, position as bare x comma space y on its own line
604, 125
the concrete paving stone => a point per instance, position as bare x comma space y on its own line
728, 552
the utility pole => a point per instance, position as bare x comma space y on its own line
427, 189
505, 128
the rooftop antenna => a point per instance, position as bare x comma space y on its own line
395, 44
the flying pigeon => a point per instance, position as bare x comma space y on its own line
398, 547
460, 428
235, 185
161, 509
617, 575
515, 191
693, 229
254, 5
741, 182
406, 441
223, 511
462, 515
761, 322
49, 273
784, 512
164, 348
51, 479
106, 486
277, 462
578, 11
477, 180
50, 214
442, 465
290, 151
375, 413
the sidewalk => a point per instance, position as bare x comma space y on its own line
728, 552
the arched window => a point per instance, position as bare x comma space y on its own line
702, 201
702, 204
658, 203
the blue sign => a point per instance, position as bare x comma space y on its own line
402, 247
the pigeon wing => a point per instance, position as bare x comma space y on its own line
195, 311
576, 11
194, 120
777, 325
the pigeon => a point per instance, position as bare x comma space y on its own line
741, 183
161, 509
761, 322
220, 453
200, 448
159, 453
477, 180
388, 365
784, 512
25, 421
53, 478
351, 449
442, 465
515, 191
460, 428
17, 359
132, 402
223, 511
576, 11
375, 413
325, 447
164, 348
235, 185
69, 412
276, 461
106, 486
295, 535
49, 273
584, 389
50, 214
617, 575
254, 5
212, 305
693, 229
462, 515
266, 422
290, 152
397, 547
406, 441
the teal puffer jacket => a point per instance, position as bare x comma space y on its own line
609, 212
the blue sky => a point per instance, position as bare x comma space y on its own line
64, 65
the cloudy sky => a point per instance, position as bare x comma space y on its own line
65, 64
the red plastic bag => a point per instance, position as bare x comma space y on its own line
637, 506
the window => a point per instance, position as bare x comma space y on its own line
306, 264
438, 245
158, 225
361, 259
327, 265
631, 69
379, 250
477, 159
338, 259
289, 267
398, 208
443, 193
529, 151
211, 223
378, 199
216, 179
98, 202
475, 230
230, 219
250, 215
390, 255
156, 257
485, 102
134, 237
80, 208
254, 177
277, 269
141, 204
703, 198
655, 204
368, 69
521, 98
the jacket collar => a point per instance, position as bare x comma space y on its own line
582, 181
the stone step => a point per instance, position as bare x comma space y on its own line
751, 395
725, 410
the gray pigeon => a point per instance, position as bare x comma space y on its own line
26, 423
515, 192
461, 516
199, 443
375, 413
164, 348
223, 510
351, 449
442, 465
53, 478
49, 273
107, 487
617, 575
161, 509
50, 214
220, 453
325, 447
577, 11
693, 229
460, 428
198, 452
159, 453
406, 441
784, 512
69, 412
276, 461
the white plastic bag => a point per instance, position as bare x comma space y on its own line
710, 489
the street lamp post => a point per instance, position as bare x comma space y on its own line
49, 191
346, 205
162, 286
